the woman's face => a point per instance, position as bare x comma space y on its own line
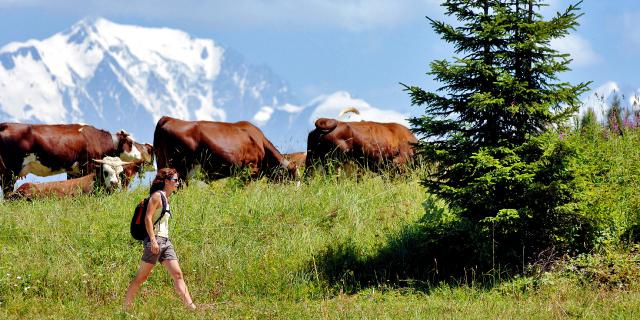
171, 183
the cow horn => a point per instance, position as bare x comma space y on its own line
347, 110
112, 162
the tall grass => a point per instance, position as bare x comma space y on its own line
256, 250
609, 170
233, 240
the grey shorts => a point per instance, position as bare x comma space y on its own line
166, 251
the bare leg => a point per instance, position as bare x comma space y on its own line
173, 267
143, 273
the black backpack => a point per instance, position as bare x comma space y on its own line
138, 226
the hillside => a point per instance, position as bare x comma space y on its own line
266, 250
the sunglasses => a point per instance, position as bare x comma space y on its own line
172, 179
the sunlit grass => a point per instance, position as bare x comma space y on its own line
250, 251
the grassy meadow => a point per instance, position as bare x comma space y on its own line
264, 250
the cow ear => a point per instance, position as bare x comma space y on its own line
124, 135
326, 124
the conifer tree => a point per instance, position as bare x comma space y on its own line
486, 129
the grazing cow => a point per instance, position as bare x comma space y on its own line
372, 144
130, 170
138, 167
46, 150
218, 148
146, 157
297, 158
105, 176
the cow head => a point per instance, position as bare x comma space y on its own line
326, 125
130, 170
108, 173
126, 146
146, 150
292, 169
298, 159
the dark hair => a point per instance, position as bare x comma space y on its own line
161, 176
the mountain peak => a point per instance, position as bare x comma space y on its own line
117, 76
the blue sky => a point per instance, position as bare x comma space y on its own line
364, 47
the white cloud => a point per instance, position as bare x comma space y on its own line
330, 106
354, 15
579, 48
290, 108
262, 116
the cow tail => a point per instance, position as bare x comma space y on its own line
3, 166
159, 144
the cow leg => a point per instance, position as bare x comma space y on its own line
8, 181
254, 171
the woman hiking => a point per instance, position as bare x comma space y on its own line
157, 246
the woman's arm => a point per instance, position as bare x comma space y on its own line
152, 206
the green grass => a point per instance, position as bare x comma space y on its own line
610, 170
253, 252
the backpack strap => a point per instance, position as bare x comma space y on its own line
164, 207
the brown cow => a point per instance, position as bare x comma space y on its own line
297, 158
46, 150
372, 144
130, 170
146, 157
220, 149
105, 176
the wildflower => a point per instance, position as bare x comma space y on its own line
19, 277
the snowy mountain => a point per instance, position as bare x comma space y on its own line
117, 76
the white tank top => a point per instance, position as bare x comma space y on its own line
161, 228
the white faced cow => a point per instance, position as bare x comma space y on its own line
106, 177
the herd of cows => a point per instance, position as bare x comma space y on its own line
96, 159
